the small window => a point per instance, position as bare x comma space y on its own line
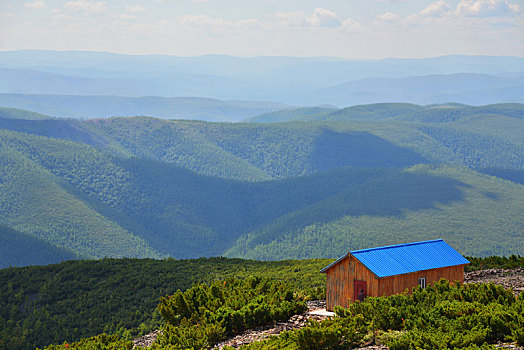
422, 282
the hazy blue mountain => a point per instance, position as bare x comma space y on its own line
70, 106
435, 113
473, 89
14, 113
291, 80
292, 114
33, 81
372, 112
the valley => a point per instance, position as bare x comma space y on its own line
356, 177
261, 175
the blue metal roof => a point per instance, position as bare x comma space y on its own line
405, 258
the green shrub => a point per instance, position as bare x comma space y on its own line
100, 342
188, 336
340, 333
205, 314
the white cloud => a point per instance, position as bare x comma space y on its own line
135, 8
127, 16
438, 8
293, 19
433, 27
35, 5
388, 17
182, 0
218, 24
487, 8
351, 25
320, 18
6, 15
325, 18
201, 21
62, 16
88, 7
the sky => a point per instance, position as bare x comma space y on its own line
360, 29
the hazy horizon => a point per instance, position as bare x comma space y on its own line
365, 29
263, 56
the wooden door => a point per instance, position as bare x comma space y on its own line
360, 290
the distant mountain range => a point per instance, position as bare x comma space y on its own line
71, 106
322, 182
468, 88
296, 81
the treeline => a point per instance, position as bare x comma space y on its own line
494, 262
41, 305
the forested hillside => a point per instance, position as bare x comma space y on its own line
13, 113
23, 249
352, 178
40, 305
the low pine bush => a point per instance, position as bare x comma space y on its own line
206, 314
99, 342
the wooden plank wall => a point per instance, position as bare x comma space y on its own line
340, 286
399, 283
337, 278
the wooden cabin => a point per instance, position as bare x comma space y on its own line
390, 270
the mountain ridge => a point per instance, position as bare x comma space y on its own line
149, 187
289, 80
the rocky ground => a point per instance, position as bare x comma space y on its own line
507, 278
147, 340
295, 322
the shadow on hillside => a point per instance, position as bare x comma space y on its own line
184, 214
334, 149
514, 175
357, 192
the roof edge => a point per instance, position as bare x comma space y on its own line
395, 246
355, 254
334, 262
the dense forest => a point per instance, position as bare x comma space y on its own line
40, 305
313, 188
65, 302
